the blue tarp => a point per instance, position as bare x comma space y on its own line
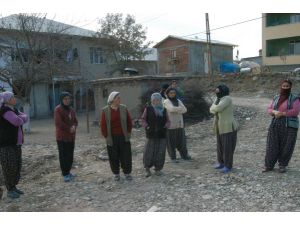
229, 68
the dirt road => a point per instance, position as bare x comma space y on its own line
186, 186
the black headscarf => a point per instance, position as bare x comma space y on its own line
223, 91
174, 100
62, 96
164, 87
284, 93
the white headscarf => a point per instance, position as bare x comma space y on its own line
112, 97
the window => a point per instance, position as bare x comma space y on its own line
295, 18
294, 47
173, 54
96, 55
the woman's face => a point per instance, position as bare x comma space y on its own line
285, 85
12, 101
116, 101
67, 100
156, 102
172, 94
217, 90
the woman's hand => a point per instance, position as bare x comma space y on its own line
279, 114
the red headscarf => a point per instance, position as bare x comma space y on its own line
284, 93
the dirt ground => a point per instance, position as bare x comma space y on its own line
186, 186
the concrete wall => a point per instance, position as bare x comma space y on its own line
276, 32
131, 89
88, 70
220, 54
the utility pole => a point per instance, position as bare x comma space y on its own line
208, 40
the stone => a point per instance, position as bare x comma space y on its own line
206, 197
153, 208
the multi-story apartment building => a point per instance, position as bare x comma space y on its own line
281, 41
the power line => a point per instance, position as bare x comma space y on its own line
151, 19
230, 25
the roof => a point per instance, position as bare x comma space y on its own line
50, 26
193, 40
135, 78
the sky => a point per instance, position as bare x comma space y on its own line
163, 18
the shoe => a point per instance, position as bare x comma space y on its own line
15, 189
188, 157
13, 194
117, 177
67, 178
266, 169
282, 170
128, 177
219, 166
158, 173
148, 172
174, 161
225, 170
72, 176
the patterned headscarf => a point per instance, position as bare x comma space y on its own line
5, 97
159, 109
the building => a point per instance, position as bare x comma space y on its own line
281, 41
256, 59
177, 55
83, 58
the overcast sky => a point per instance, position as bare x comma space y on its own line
163, 18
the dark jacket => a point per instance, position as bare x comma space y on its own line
8, 132
156, 124
64, 120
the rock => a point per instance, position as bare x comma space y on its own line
153, 209
240, 190
206, 197
103, 157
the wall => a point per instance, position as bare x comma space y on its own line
220, 54
164, 56
131, 89
276, 32
88, 70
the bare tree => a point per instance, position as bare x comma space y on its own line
36, 50
126, 40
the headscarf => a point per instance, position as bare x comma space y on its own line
112, 97
5, 97
62, 96
284, 93
223, 91
164, 87
159, 109
174, 100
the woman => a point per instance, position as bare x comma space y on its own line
175, 132
116, 126
66, 124
155, 121
282, 133
163, 89
11, 140
225, 127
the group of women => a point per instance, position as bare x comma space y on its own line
164, 128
